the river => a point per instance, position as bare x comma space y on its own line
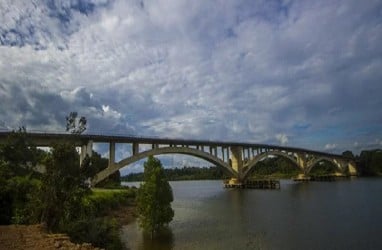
344, 214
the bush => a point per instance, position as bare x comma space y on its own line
100, 232
100, 201
90, 227
26, 204
20, 200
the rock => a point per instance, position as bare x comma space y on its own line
57, 244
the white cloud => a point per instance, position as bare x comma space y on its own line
282, 138
211, 70
330, 146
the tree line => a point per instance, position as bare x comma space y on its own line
184, 173
369, 162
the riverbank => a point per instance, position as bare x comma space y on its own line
124, 215
34, 237
114, 208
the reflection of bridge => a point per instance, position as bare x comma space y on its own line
236, 158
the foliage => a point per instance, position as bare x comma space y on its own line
370, 162
185, 173
19, 154
323, 168
348, 154
60, 197
99, 163
100, 232
26, 202
6, 196
74, 124
154, 198
278, 166
69, 204
113, 181
92, 225
20, 189
100, 201
63, 185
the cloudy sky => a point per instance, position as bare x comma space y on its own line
298, 73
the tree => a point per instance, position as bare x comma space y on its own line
63, 185
98, 164
19, 202
370, 162
348, 154
18, 152
74, 124
154, 198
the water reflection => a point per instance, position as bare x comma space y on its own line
164, 240
236, 199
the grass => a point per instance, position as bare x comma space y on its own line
100, 201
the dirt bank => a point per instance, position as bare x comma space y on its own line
124, 215
33, 237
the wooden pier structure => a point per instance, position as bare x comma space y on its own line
254, 184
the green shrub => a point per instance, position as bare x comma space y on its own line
26, 202
103, 200
100, 232
91, 227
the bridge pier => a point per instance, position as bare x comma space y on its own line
237, 164
136, 148
352, 168
302, 162
86, 150
302, 177
111, 154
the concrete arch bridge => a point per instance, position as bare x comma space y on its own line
236, 158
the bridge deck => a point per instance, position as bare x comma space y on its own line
46, 139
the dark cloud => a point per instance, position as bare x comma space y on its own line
295, 72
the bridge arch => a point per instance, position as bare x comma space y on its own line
162, 151
265, 155
334, 162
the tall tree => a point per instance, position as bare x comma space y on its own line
154, 198
63, 185
74, 124
19, 189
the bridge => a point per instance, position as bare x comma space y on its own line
238, 159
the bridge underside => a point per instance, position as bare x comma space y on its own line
238, 161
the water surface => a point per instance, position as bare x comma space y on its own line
317, 215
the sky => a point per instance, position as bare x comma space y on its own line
296, 73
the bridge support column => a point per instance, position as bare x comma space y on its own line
352, 168
341, 167
86, 150
111, 154
236, 164
302, 163
136, 148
